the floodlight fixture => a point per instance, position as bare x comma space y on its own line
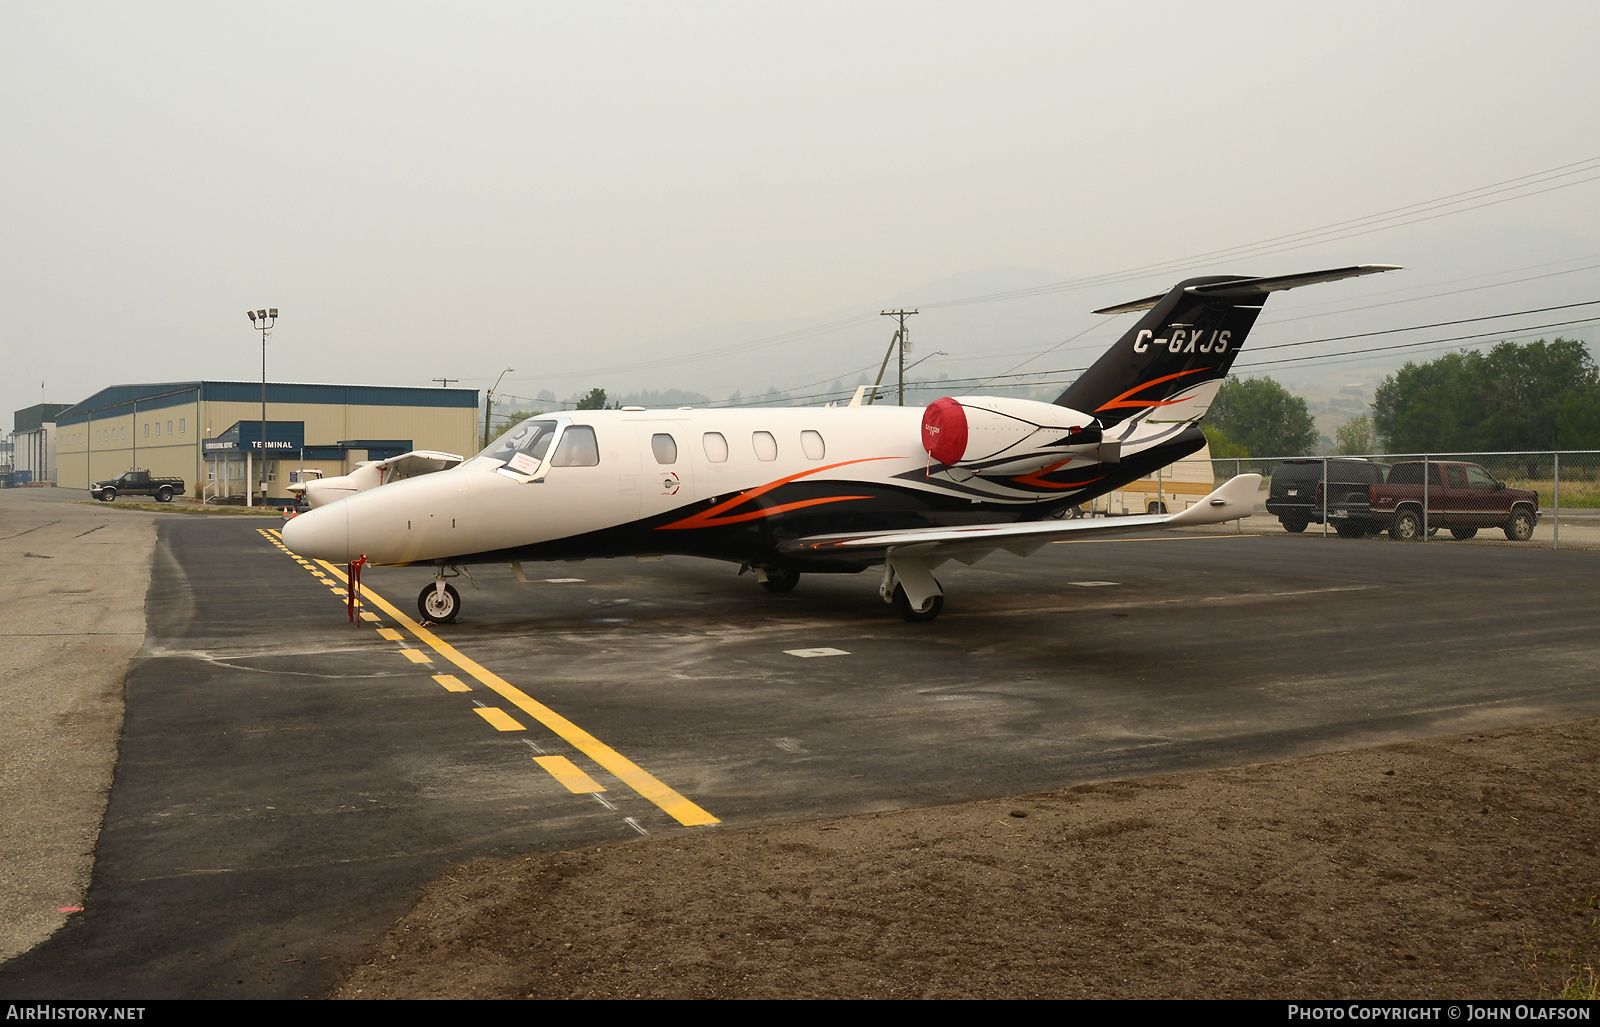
251, 315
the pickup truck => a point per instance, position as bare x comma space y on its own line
137, 483
1460, 496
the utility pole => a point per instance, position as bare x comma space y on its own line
900, 341
488, 404
444, 381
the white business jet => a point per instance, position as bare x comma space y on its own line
793, 490
369, 474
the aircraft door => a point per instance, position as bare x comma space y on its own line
591, 482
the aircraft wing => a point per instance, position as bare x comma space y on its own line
969, 543
418, 461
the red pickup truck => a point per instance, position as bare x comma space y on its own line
1460, 496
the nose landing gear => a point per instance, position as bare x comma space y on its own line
439, 602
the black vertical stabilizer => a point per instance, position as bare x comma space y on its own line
1185, 340
1189, 337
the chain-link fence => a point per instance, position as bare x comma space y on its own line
1548, 499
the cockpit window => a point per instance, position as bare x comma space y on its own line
578, 448
530, 439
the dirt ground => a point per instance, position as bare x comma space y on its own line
1454, 868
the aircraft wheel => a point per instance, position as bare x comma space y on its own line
921, 616
441, 609
781, 581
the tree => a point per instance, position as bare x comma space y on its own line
1222, 447
1261, 416
1516, 396
595, 400
1356, 437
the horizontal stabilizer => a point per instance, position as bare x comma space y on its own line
1245, 287
1278, 283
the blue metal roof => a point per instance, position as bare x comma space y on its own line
117, 400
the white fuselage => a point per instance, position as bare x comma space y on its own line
829, 465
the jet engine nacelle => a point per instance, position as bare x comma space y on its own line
1000, 436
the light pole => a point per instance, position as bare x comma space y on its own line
488, 405
263, 320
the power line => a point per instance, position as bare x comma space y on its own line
1418, 328
1349, 228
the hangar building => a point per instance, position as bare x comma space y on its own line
34, 441
206, 432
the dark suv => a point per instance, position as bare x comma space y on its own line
1296, 494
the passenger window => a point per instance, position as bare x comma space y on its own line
577, 448
766, 445
665, 448
1457, 477
811, 442
716, 447
1478, 478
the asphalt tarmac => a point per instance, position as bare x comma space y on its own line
288, 781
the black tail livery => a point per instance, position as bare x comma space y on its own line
1189, 338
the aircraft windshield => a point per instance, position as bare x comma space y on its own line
525, 444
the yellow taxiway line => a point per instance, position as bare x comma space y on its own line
618, 765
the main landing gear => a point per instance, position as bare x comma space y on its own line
909, 584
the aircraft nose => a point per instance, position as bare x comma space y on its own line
320, 534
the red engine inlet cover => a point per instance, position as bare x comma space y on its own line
944, 431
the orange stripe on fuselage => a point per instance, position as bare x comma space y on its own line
710, 519
1123, 401
1037, 478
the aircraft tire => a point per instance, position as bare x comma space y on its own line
439, 609
903, 604
781, 581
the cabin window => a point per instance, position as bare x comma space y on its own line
665, 448
716, 447
766, 446
577, 448
811, 442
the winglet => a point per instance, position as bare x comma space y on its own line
1236, 498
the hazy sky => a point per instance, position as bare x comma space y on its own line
450, 189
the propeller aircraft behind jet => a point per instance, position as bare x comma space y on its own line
792, 490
